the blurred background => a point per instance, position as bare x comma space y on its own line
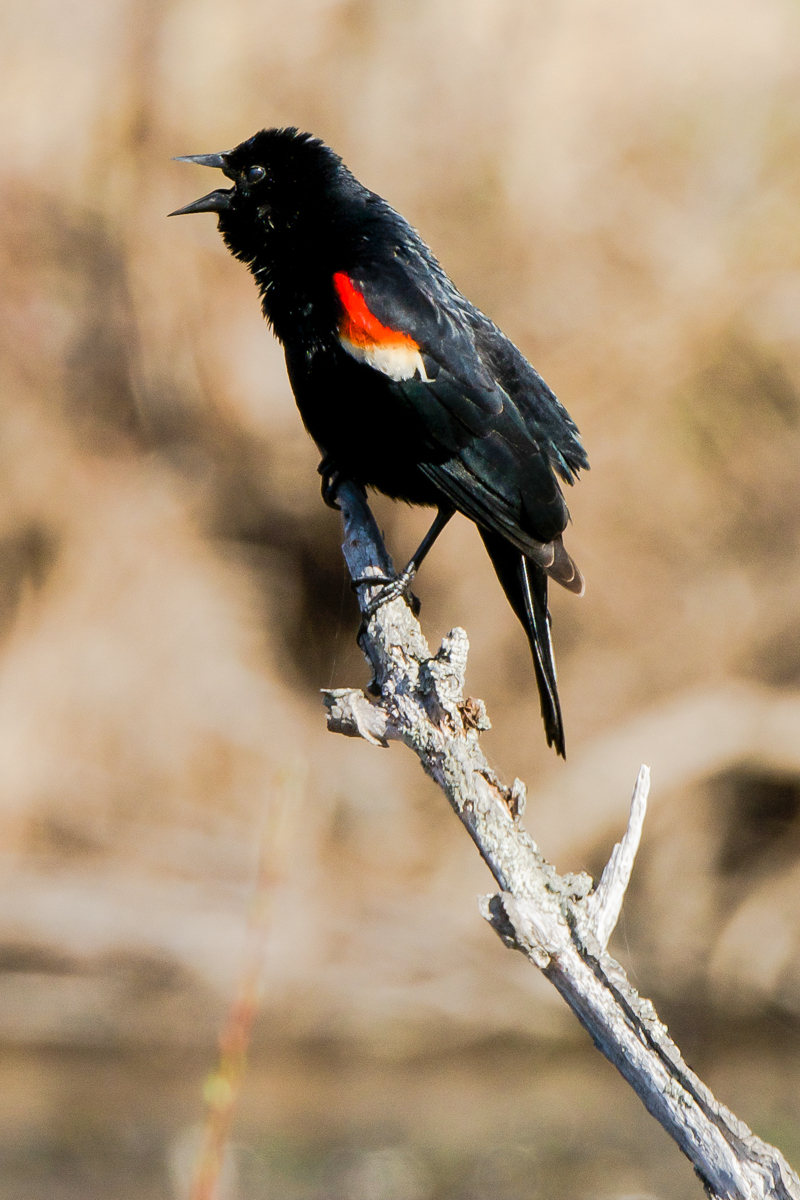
617, 185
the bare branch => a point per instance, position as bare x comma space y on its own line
559, 922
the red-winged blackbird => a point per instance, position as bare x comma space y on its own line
403, 384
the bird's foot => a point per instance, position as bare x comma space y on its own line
392, 589
332, 479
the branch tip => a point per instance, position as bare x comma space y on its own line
605, 903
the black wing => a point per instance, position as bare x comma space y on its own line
416, 304
504, 433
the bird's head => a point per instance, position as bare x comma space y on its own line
281, 179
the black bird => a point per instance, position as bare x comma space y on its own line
403, 384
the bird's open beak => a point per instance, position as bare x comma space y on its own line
216, 202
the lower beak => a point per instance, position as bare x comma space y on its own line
215, 202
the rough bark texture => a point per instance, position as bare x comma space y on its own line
561, 923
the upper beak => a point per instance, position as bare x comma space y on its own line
217, 201
203, 160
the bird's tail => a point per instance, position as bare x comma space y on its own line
525, 585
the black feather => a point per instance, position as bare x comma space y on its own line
525, 586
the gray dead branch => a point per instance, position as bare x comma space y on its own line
562, 923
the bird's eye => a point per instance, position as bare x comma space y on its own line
254, 174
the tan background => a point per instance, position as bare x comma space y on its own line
617, 184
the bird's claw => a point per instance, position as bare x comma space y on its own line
392, 590
365, 580
332, 480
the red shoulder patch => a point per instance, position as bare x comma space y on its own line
361, 327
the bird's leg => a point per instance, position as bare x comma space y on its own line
443, 516
398, 586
